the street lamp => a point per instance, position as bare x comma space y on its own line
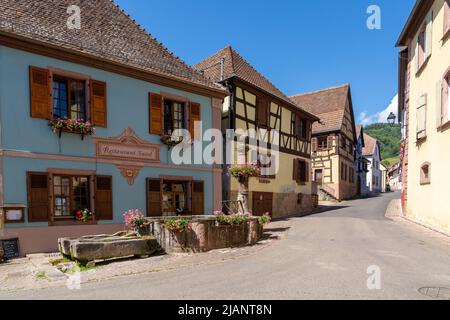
391, 119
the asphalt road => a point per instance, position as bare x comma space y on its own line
323, 256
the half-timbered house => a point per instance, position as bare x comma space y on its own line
255, 103
333, 140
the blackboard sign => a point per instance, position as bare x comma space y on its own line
10, 248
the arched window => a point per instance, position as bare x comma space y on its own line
425, 177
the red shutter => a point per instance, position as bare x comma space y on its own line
156, 114
103, 198
198, 198
154, 199
40, 93
38, 197
99, 115
194, 116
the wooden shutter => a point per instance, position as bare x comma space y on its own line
329, 142
40, 93
314, 144
295, 170
156, 113
439, 104
198, 198
261, 112
429, 34
446, 16
446, 100
421, 117
38, 196
98, 110
154, 199
306, 172
103, 198
194, 116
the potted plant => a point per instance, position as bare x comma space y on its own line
135, 220
170, 141
230, 220
242, 173
265, 219
177, 225
84, 215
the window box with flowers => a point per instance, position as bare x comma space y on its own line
77, 126
171, 141
85, 216
242, 173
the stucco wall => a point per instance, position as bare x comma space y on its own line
428, 203
128, 106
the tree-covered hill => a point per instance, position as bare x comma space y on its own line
389, 138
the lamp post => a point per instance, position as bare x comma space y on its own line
391, 119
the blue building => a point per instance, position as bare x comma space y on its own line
92, 63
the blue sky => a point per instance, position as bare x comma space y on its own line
298, 45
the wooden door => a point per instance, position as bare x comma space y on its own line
262, 203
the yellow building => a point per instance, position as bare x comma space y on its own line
424, 79
333, 140
255, 103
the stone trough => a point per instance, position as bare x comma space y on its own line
204, 235
105, 247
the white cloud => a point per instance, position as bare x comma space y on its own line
380, 117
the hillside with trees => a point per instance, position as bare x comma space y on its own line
389, 138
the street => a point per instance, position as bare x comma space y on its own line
322, 256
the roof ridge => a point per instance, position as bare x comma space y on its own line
321, 90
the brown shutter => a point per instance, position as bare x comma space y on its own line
198, 198
314, 144
329, 142
306, 172
194, 115
156, 114
99, 116
295, 175
262, 114
103, 198
38, 197
154, 208
40, 93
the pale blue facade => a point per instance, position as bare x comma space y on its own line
127, 105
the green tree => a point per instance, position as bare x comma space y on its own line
389, 138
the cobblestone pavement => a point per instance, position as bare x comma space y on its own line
36, 272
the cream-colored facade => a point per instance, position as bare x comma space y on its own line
424, 79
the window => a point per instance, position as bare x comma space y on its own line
421, 117
443, 111
322, 143
69, 98
425, 177
71, 193
266, 161
301, 171
174, 116
174, 197
343, 143
300, 127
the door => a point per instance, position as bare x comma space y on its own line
318, 177
262, 203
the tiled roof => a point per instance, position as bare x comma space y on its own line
107, 32
370, 144
234, 65
327, 104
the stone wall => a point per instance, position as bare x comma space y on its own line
205, 234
